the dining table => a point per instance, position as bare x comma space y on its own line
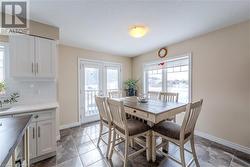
153, 111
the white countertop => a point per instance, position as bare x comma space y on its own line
28, 108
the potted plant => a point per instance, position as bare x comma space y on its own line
131, 87
2, 88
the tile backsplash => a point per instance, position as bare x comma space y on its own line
33, 92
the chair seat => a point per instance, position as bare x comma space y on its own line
134, 127
169, 129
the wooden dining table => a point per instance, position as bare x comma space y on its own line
154, 111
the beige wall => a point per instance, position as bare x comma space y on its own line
68, 93
221, 76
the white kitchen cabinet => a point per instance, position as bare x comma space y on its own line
22, 56
45, 137
32, 139
42, 134
32, 57
45, 57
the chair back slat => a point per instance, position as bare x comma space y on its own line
191, 116
153, 95
117, 113
102, 108
115, 94
168, 96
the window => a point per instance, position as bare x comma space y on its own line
112, 78
173, 77
2, 54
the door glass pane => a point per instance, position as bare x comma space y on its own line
154, 80
112, 79
91, 89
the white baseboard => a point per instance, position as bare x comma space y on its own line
224, 142
70, 125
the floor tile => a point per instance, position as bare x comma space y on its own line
85, 147
50, 162
101, 163
74, 162
91, 157
81, 139
66, 150
217, 157
77, 148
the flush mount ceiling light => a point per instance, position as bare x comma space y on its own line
138, 31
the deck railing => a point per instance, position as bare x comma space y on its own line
90, 105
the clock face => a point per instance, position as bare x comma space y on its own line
162, 52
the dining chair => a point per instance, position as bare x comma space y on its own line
169, 97
115, 94
177, 134
127, 129
105, 120
153, 95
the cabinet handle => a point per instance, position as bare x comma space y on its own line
33, 133
32, 67
37, 69
38, 131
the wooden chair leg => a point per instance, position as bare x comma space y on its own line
148, 145
182, 155
132, 143
100, 133
194, 152
112, 145
109, 141
126, 152
153, 146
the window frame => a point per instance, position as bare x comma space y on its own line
165, 76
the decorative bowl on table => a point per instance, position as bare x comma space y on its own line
142, 99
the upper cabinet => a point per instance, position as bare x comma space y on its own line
32, 57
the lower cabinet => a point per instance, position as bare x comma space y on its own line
42, 134
45, 137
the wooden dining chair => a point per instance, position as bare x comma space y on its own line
169, 97
115, 94
105, 120
178, 135
153, 95
127, 129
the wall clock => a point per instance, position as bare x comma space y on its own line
162, 52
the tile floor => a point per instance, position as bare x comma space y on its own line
77, 148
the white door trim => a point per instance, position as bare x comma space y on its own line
104, 64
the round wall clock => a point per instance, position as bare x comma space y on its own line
162, 52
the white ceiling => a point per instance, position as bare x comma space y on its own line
102, 25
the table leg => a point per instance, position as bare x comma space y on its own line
149, 145
150, 141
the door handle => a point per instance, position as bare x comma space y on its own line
38, 131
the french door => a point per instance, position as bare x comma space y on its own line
96, 78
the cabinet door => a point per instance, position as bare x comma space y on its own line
22, 56
46, 137
45, 57
32, 140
